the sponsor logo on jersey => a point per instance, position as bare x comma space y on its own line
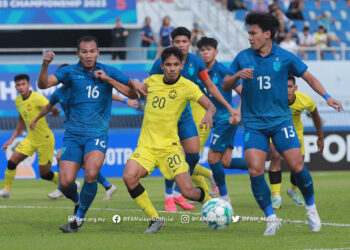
172, 94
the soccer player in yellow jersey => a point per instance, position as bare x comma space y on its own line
159, 144
41, 139
298, 102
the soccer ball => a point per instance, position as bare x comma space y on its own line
217, 213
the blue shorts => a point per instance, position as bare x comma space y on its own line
186, 126
75, 147
222, 136
283, 136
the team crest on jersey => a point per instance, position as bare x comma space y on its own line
215, 79
29, 107
172, 94
277, 65
251, 66
191, 70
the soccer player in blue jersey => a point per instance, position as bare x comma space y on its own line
223, 132
193, 69
265, 68
86, 132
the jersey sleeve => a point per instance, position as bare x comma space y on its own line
41, 100
310, 104
194, 92
62, 75
156, 69
235, 67
53, 98
202, 70
118, 75
296, 67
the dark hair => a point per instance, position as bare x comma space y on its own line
293, 26
87, 39
21, 77
207, 41
172, 51
265, 21
62, 65
291, 78
306, 28
181, 31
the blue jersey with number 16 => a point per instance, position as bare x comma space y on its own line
90, 99
265, 97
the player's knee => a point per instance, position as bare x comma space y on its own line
90, 176
11, 165
226, 162
253, 171
189, 193
212, 159
129, 178
47, 176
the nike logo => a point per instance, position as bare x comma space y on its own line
175, 170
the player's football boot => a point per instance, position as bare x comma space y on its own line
170, 204
214, 192
109, 193
5, 193
226, 198
154, 226
72, 226
273, 224
276, 203
180, 200
314, 220
55, 194
295, 196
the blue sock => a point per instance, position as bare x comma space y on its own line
169, 186
192, 160
103, 181
238, 163
219, 177
70, 193
306, 186
177, 189
87, 195
262, 194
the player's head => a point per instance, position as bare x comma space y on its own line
207, 49
181, 38
22, 84
87, 51
172, 63
148, 21
118, 22
262, 29
292, 87
166, 21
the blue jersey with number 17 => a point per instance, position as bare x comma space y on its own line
90, 99
265, 97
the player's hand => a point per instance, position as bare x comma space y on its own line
320, 144
100, 74
132, 103
32, 125
48, 57
140, 88
246, 73
55, 112
335, 104
235, 116
6, 145
207, 121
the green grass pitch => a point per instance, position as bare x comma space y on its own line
30, 220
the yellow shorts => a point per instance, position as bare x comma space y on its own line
170, 162
45, 149
198, 112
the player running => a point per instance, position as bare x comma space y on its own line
41, 140
159, 143
193, 69
265, 68
298, 102
86, 134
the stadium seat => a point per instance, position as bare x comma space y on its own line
336, 15
341, 5
310, 5
326, 5
334, 44
249, 4
341, 35
306, 15
299, 24
347, 55
240, 14
328, 55
311, 56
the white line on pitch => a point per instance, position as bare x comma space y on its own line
243, 218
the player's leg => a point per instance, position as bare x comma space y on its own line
140, 164
10, 173
256, 148
45, 153
109, 187
287, 143
275, 176
214, 160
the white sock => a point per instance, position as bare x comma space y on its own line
271, 217
168, 195
277, 197
176, 194
309, 208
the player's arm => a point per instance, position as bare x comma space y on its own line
129, 102
214, 91
46, 81
207, 120
230, 81
44, 111
318, 124
18, 130
318, 88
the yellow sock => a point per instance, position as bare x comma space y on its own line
9, 176
276, 189
293, 187
55, 178
206, 197
146, 205
199, 170
199, 181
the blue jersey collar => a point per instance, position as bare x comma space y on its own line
272, 52
213, 69
98, 66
